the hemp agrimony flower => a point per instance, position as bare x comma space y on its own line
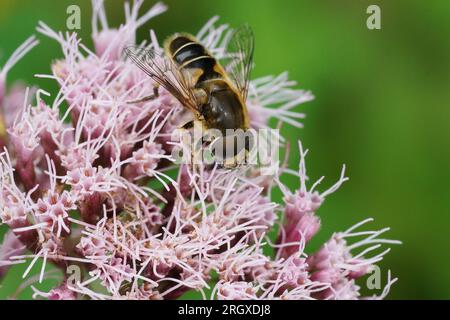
95, 186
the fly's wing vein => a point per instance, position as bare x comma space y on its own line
165, 73
240, 54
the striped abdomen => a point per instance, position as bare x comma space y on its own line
224, 108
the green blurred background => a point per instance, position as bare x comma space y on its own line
381, 107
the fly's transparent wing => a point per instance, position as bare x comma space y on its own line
240, 51
164, 72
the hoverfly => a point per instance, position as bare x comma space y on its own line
215, 94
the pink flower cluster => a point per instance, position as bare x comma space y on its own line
87, 181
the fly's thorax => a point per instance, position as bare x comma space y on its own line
224, 109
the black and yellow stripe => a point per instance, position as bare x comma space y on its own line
190, 55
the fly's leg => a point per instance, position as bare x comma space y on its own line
147, 98
188, 139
